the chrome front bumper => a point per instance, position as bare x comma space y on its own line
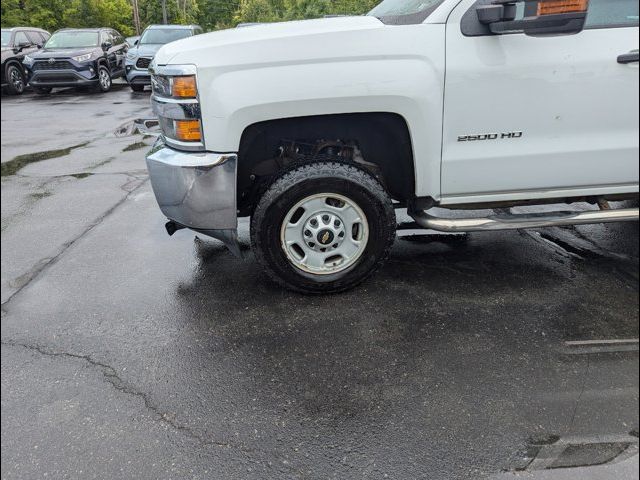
196, 190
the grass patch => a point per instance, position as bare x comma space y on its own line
134, 146
80, 175
12, 166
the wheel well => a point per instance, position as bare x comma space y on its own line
13, 62
377, 142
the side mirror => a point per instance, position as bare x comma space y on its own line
136, 42
21, 46
542, 17
107, 45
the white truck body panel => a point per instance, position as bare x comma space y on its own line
576, 107
572, 101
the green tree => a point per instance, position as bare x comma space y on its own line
217, 14
211, 14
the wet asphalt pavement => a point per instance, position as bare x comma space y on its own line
130, 354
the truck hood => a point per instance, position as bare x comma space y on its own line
198, 48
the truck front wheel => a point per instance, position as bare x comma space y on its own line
323, 228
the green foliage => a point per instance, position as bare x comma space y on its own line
210, 14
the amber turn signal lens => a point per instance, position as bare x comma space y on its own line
188, 130
553, 7
184, 87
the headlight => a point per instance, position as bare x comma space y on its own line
184, 86
27, 60
131, 55
175, 102
82, 58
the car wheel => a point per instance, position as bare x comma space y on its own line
43, 90
104, 79
323, 228
15, 80
137, 88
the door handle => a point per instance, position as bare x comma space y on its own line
628, 57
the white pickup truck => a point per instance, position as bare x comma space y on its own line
318, 130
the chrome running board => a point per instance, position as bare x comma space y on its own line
514, 221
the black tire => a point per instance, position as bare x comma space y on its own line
287, 190
43, 90
136, 88
104, 79
15, 79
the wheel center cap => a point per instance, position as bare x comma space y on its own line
325, 237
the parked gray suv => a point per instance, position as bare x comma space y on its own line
140, 55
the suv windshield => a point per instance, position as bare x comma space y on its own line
6, 37
404, 12
163, 35
72, 39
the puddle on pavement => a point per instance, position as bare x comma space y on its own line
144, 126
13, 166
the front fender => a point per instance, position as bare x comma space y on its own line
404, 76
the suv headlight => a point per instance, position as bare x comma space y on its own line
82, 58
27, 60
131, 55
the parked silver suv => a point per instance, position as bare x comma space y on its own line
140, 55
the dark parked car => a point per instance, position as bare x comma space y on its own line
76, 58
16, 43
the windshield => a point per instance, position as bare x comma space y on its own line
404, 12
72, 39
6, 37
163, 35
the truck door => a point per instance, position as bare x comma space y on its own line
541, 117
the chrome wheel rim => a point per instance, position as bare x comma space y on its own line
16, 80
324, 233
105, 80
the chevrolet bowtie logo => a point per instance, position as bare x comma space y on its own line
325, 237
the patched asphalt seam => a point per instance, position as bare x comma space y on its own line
35, 272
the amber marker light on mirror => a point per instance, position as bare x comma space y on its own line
184, 87
554, 7
188, 130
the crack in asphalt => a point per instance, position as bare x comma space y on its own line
111, 376
139, 174
578, 400
43, 264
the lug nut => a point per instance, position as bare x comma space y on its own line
325, 218
307, 233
